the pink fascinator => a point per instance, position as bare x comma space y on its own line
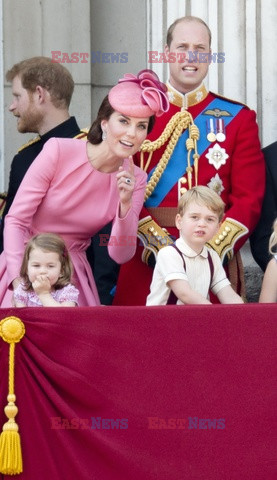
141, 95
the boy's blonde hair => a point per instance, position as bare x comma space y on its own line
273, 239
203, 196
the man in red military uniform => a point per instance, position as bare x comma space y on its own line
203, 139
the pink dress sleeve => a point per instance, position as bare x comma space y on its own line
27, 200
122, 244
69, 293
20, 295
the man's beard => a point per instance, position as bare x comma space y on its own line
29, 121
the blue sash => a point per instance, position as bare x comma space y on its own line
177, 164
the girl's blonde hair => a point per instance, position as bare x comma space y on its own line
273, 238
48, 242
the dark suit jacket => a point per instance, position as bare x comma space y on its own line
25, 157
260, 238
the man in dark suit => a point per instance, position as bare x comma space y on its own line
260, 238
42, 92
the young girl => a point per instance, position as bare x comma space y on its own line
46, 273
269, 285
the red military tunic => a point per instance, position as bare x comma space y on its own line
234, 167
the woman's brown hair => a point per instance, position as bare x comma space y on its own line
104, 113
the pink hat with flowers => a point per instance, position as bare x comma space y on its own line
141, 95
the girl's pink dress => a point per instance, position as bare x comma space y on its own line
62, 193
69, 293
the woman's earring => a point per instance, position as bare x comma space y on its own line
104, 135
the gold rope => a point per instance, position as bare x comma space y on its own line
11, 330
173, 130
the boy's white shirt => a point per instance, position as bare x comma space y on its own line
170, 266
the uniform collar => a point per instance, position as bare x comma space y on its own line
186, 100
68, 128
189, 252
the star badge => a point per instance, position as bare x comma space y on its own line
217, 156
216, 184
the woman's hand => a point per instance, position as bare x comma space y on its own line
126, 184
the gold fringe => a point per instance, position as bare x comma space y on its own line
11, 330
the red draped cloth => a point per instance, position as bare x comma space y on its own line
172, 393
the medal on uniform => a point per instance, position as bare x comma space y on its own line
220, 130
211, 136
217, 156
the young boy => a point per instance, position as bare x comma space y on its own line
184, 273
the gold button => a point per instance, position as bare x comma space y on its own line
183, 180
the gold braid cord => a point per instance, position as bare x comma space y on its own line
173, 130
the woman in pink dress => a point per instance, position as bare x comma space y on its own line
75, 188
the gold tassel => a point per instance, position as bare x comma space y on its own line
11, 330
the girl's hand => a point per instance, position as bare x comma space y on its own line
41, 285
126, 184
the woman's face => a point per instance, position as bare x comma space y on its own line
124, 134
